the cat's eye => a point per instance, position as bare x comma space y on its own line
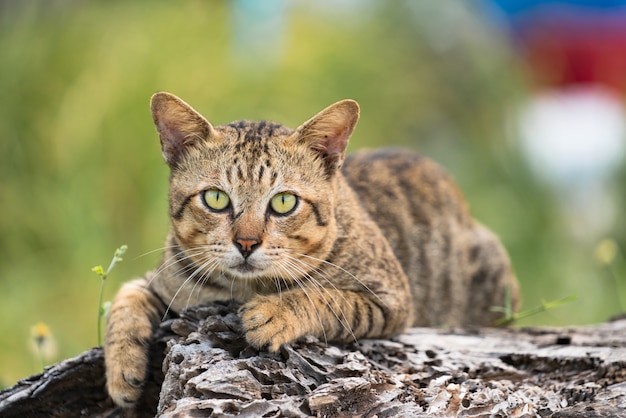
283, 203
215, 199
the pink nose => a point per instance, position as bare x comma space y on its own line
247, 245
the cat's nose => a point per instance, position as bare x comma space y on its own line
247, 245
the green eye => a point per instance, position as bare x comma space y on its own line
283, 203
215, 199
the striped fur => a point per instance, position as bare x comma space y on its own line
375, 242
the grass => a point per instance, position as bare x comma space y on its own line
510, 317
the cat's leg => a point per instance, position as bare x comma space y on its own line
135, 313
329, 314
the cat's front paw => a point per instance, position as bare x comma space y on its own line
125, 382
268, 322
127, 342
126, 362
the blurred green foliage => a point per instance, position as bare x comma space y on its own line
80, 164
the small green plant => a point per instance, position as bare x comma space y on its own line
607, 254
510, 317
103, 308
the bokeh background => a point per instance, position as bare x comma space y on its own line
523, 104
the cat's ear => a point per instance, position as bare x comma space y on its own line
179, 126
328, 132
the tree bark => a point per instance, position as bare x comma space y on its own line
209, 370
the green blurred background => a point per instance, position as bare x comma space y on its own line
81, 171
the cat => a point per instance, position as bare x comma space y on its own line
310, 241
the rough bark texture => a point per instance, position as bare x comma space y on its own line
209, 370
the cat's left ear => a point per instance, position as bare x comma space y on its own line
328, 132
179, 126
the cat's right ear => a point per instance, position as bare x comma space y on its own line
179, 126
328, 132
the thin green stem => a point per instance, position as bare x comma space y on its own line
100, 310
618, 287
42, 361
117, 258
511, 317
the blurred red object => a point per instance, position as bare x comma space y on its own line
572, 51
569, 42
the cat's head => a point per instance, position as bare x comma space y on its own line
253, 199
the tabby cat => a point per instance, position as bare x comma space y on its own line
310, 241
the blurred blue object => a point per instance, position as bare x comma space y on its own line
516, 7
258, 29
568, 42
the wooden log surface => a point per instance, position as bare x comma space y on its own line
210, 371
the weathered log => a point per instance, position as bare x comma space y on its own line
209, 370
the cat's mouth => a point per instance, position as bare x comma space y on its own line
246, 270
253, 267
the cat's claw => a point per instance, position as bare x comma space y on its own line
123, 390
268, 323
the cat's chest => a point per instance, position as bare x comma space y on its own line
181, 292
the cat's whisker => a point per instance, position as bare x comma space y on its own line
341, 316
164, 248
175, 259
207, 269
169, 306
192, 276
165, 264
326, 262
301, 285
324, 293
331, 300
326, 279
232, 285
159, 271
344, 321
180, 288
277, 280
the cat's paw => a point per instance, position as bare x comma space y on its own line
268, 322
132, 317
125, 375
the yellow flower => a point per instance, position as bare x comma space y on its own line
606, 251
40, 332
42, 341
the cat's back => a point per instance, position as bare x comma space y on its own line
418, 206
456, 267
396, 185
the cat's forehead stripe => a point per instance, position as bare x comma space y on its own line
257, 130
253, 153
